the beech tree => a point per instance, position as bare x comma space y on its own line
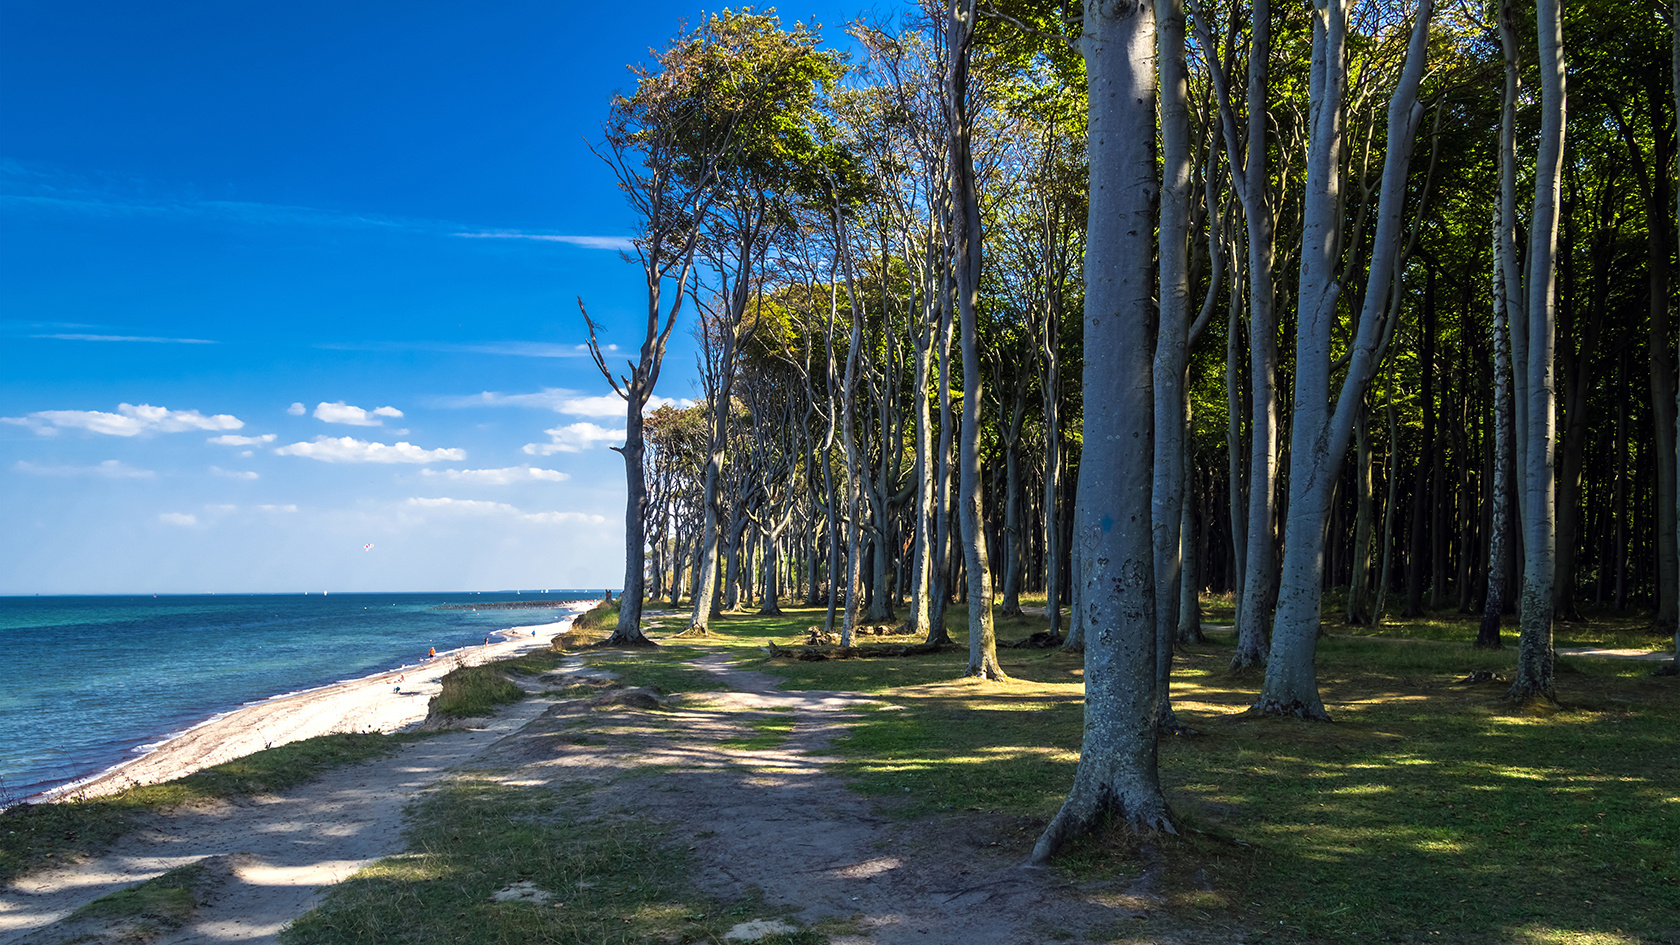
1117, 764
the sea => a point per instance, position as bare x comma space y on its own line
88, 682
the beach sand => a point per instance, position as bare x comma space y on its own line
369, 704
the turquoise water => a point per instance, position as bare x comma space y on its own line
86, 681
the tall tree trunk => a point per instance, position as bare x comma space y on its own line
1054, 553
1496, 495
1675, 19
1117, 766
1421, 498
1259, 592
1320, 431
965, 227
1359, 593
1536, 430
1171, 346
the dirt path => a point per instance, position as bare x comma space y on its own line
282, 848
778, 822
774, 822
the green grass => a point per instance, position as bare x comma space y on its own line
168, 899
768, 733
665, 668
471, 691
37, 835
603, 616
609, 879
1429, 811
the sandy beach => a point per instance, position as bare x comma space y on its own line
383, 702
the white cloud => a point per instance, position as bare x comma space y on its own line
109, 469
176, 341
183, 519
234, 473
277, 508
561, 400
129, 420
342, 412
345, 449
233, 439
620, 243
498, 477
565, 518
221, 509
296, 409
474, 506
573, 438
479, 507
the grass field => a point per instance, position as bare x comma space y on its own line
1429, 810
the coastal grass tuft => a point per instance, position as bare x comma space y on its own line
169, 899
473, 691
33, 836
588, 878
603, 616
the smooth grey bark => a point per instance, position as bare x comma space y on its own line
941, 594
1258, 562
1533, 362
1052, 390
854, 460
1171, 346
965, 259
1493, 607
1358, 609
1320, 430
1117, 763
1014, 529
921, 576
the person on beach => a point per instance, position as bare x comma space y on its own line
433, 654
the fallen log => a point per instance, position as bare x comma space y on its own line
868, 651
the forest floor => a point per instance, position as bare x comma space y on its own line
888, 801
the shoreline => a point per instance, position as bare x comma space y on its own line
371, 703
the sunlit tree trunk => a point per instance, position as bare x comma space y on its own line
1537, 427
1171, 345
1320, 430
965, 228
1117, 763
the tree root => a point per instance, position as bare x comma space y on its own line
615, 642
1082, 815
1293, 709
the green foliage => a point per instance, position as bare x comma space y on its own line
37, 835
470, 691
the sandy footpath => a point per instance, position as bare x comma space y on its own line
273, 853
369, 704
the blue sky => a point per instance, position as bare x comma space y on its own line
280, 282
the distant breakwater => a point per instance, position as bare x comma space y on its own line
510, 605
